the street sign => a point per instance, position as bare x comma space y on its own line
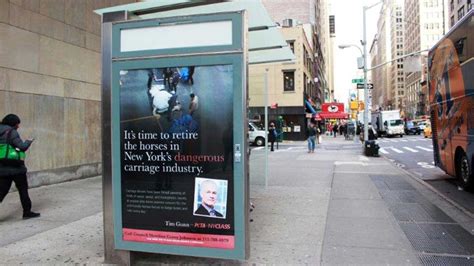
358, 81
369, 86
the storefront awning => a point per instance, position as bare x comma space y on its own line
329, 115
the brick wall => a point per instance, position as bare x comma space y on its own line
285, 9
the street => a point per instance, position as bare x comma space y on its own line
414, 153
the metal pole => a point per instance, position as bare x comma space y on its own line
366, 93
277, 119
265, 82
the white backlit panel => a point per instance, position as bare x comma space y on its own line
176, 36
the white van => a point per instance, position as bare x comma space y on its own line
256, 135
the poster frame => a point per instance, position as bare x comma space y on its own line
147, 60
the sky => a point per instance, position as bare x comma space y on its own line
349, 30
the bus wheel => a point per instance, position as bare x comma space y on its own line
464, 172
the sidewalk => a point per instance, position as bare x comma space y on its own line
330, 207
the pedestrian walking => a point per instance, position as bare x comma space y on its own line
318, 134
334, 130
14, 171
311, 132
272, 135
329, 129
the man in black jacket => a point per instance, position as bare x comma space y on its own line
208, 192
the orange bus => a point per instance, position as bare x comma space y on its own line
451, 94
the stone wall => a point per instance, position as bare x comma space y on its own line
50, 68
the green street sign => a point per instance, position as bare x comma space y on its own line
358, 81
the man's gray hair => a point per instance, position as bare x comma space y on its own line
206, 182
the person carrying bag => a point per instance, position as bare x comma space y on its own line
12, 166
9, 155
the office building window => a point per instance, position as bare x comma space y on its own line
289, 80
460, 12
292, 45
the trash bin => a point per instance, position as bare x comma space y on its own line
371, 148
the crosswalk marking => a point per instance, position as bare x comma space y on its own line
423, 148
382, 150
402, 139
396, 150
410, 149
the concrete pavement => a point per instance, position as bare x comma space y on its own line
331, 207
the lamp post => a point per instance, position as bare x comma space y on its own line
363, 51
366, 96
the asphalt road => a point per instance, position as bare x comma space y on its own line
415, 154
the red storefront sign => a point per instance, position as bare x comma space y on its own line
333, 111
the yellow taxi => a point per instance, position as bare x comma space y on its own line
427, 131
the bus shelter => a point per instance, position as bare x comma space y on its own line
174, 95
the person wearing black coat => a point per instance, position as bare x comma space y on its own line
15, 173
272, 135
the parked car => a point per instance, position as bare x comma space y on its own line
427, 131
257, 135
422, 124
412, 128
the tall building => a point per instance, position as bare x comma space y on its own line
288, 84
329, 93
397, 49
425, 24
314, 13
380, 52
376, 75
305, 25
457, 9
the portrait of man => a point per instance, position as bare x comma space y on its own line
209, 193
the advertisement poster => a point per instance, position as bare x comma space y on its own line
176, 126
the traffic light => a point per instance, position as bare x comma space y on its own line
361, 106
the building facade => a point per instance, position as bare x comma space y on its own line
289, 85
397, 49
376, 75
329, 92
50, 75
310, 18
426, 23
457, 9
380, 52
